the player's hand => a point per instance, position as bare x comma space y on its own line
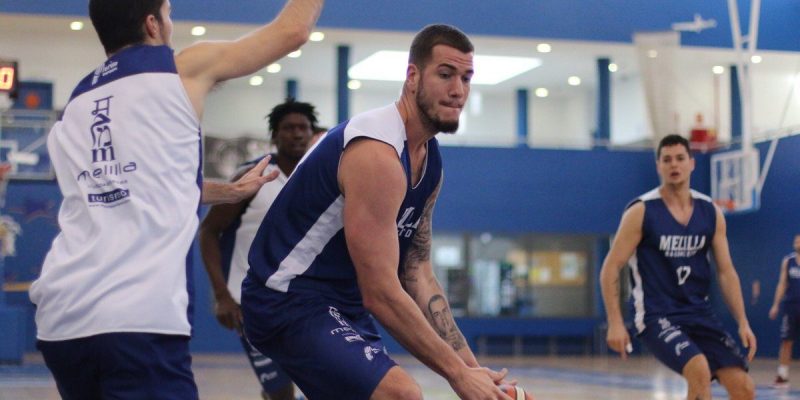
228, 313
748, 340
618, 339
773, 312
247, 186
479, 384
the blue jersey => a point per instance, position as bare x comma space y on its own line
300, 245
670, 270
792, 294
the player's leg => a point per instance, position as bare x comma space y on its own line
737, 382
789, 330
698, 377
73, 368
329, 354
275, 383
784, 360
726, 359
146, 366
673, 347
397, 384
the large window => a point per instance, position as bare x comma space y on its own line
489, 274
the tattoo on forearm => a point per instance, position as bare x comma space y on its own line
419, 251
443, 323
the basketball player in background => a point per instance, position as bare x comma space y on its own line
350, 235
114, 298
227, 232
787, 295
667, 234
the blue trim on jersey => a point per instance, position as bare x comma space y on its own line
190, 255
129, 61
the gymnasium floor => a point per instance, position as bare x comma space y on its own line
228, 377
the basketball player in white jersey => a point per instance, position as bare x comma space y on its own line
667, 235
227, 232
787, 301
114, 299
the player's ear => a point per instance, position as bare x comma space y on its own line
152, 27
412, 77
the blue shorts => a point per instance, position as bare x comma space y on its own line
790, 322
330, 351
121, 366
272, 378
675, 343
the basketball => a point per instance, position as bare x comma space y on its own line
516, 392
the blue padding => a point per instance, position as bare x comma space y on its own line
12, 324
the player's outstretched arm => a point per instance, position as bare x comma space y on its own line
374, 185
780, 290
730, 285
243, 188
204, 64
628, 236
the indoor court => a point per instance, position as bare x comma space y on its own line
556, 138
228, 377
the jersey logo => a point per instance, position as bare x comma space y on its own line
406, 226
683, 274
794, 272
680, 245
102, 150
679, 347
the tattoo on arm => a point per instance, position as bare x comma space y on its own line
442, 321
419, 251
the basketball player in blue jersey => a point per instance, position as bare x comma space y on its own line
349, 237
666, 236
787, 294
228, 230
114, 298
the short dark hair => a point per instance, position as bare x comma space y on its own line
119, 22
672, 140
290, 106
433, 35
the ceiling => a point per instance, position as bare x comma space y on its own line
316, 66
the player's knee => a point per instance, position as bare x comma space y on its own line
744, 389
397, 384
411, 392
698, 375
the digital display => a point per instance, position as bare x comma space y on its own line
8, 76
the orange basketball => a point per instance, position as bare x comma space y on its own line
516, 392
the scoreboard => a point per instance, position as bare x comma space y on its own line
8, 76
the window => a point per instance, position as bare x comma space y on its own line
527, 275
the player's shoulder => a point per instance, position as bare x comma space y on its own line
383, 124
639, 201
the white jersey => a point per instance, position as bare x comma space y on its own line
127, 157
249, 222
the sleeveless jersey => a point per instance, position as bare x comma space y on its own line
670, 269
300, 246
127, 157
236, 240
792, 294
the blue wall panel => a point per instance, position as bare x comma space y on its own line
507, 190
